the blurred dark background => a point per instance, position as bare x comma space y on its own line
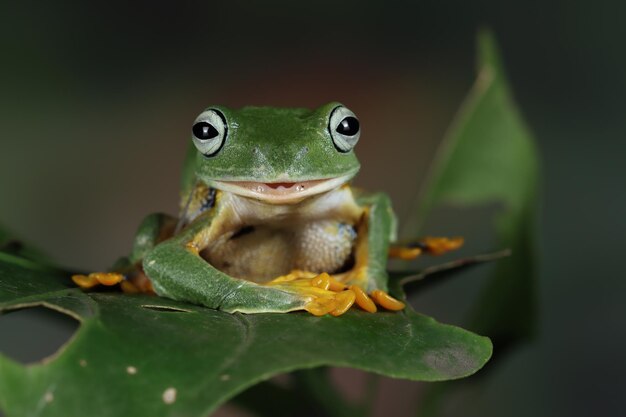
97, 99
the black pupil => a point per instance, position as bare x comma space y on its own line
204, 130
349, 126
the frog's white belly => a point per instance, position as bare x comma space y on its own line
263, 241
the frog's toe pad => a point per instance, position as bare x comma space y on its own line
84, 281
97, 278
344, 300
368, 302
363, 300
386, 301
404, 253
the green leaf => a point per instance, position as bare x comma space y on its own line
489, 157
206, 356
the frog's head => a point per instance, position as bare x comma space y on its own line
277, 155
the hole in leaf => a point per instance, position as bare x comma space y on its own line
166, 309
30, 335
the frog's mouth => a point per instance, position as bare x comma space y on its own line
281, 192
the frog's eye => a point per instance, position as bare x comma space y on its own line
344, 128
209, 132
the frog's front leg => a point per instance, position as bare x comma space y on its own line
368, 278
177, 271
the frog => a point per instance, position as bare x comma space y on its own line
269, 220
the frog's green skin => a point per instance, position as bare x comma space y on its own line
314, 221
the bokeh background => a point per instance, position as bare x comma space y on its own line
97, 99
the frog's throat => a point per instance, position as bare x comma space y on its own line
281, 192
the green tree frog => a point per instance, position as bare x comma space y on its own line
268, 220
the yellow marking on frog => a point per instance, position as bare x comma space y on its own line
192, 201
385, 300
95, 278
200, 192
362, 299
202, 238
193, 247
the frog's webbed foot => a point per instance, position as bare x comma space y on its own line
325, 294
430, 245
94, 279
138, 283
329, 295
